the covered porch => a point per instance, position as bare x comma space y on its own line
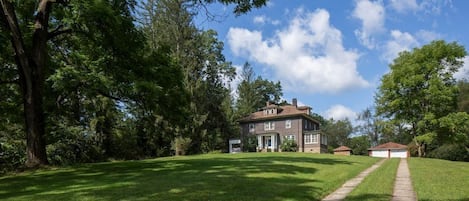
268, 142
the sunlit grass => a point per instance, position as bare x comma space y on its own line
378, 185
435, 179
247, 176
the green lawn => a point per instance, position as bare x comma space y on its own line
247, 176
435, 179
378, 185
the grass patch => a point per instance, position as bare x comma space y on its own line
246, 176
378, 185
435, 179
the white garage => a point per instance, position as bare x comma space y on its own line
389, 150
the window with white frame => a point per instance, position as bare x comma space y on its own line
290, 137
252, 127
269, 126
288, 123
311, 139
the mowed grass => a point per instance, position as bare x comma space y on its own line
435, 179
378, 185
246, 176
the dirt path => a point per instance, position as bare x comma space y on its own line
348, 186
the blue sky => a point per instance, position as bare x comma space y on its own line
331, 54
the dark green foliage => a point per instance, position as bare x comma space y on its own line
453, 152
250, 143
12, 154
116, 89
463, 97
420, 90
338, 132
359, 145
243, 6
289, 145
253, 93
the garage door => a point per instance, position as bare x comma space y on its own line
380, 153
398, 153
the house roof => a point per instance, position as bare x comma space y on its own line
282, 112
342, 148
389, 145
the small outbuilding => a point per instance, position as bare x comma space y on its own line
389, 150
235, 145
343, 150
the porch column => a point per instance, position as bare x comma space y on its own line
274, 142
259, 142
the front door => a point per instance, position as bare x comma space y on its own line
267, 142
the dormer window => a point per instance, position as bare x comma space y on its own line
270, 111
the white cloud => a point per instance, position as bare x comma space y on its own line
427, 36
233, 84
463, 72
308, 55
399, 42
259, 19
403, 6
428, 7
262, 19
372, 16
340, 112
434, 7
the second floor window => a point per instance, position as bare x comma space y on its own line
269, 126
288, 124
252, 128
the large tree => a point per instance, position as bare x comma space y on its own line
420, 89
337, 131
36, 29
254, 92
370, 125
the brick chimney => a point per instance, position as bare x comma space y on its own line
294, 102
267, 103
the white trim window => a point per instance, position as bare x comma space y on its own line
268, 126
288, 123
252, 128
290, 137
311, 139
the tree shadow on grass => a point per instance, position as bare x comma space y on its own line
371, 197
221, 177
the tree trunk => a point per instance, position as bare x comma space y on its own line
34, 119
31, 66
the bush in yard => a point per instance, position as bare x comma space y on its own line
12, 155
453, 152
250, 143
289, 145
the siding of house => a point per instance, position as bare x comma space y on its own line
297, 129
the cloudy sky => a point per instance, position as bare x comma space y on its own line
331, 54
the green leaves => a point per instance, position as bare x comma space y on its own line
420, 89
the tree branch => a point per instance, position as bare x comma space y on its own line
58, 31
102, 93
